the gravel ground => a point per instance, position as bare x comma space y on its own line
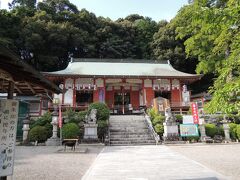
222, 158
45, 163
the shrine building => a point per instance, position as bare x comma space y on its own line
122, 84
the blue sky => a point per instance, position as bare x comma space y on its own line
114, 9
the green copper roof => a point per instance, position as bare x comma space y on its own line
121, 67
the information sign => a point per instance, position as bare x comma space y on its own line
8, 128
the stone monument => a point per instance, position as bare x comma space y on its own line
170, 126
226, 130
54, 140
26, 129
90, 127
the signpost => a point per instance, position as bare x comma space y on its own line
60, 122
187, 130
8, 128
195, 113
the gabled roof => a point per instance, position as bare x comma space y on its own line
122, 68
27, 81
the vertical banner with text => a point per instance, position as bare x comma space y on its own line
8, 129
195, 113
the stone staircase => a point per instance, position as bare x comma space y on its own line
129, 130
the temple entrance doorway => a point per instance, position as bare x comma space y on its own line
163, 94
84, 98
122, 102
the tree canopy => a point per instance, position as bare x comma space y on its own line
202, 38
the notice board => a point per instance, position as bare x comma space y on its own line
8, 129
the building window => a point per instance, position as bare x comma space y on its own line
44, 104
34, 107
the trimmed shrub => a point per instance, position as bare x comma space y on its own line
211, 130
81, 115
102, 129
70, 130
220, 131
158, 120
238, 131
70, 116
179, 118
192, 138
152, 113
103, 112
38, 133
45, 121
233, 130
159, 129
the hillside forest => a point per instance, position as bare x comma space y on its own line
203, 38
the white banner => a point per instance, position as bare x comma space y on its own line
8, 129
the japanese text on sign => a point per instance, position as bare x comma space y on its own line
195, 113
8, 128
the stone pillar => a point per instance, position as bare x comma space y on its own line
226, 132
202, 132
54, 140
25, 129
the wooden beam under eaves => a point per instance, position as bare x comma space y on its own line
31, 88
17, 88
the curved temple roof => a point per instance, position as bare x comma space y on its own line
114, 67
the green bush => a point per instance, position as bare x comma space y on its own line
38, 133
70, 130
159, 129
179, 118
70, 116
211, 130
41, 121
45, 121
81, 115
233, 130
103, 112
152, 113
102, 129
220, 131
159, 119
192, 138
238, 131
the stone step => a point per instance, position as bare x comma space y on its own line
127, 117
129, 121
133, 142
129, 132
131, 139
127, 126
131, 136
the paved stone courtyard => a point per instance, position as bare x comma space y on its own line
130, 163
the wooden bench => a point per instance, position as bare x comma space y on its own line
70, 143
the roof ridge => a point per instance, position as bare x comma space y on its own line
126, 60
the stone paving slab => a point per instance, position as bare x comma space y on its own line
146, 163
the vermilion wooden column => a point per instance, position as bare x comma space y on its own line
63, 91
74, 92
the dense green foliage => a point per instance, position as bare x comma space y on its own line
157, 121
233, 131
204, 36
103, 115
211, 130
210, 29
103, 112
70, 130
44, 121
38, 133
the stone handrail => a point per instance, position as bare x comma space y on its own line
150, 127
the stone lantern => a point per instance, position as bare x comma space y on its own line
54, 140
